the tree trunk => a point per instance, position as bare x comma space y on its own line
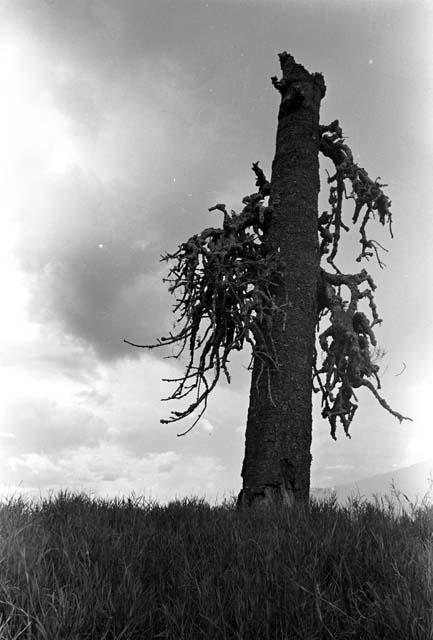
277, 458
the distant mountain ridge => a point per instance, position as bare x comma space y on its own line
413, 481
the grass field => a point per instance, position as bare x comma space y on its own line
72, 567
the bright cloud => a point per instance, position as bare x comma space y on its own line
105, 471
41, 425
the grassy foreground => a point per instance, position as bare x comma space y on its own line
79, 568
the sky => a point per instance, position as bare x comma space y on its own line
121, 123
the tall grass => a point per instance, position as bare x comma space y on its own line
72, 567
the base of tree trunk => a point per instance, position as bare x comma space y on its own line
271, 496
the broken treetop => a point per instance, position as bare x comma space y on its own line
297, 84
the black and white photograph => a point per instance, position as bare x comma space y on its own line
216, 337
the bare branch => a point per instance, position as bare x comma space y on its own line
223, 278
365, 192
224, 281
346, 343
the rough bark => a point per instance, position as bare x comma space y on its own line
277, 458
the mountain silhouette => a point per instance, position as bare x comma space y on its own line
411, 484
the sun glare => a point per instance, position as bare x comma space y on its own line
35, 144
34, 133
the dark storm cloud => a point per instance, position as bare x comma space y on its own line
91, 243
94, 259
94, 272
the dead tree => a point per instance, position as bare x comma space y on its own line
266, 279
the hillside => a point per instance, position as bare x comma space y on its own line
413, 481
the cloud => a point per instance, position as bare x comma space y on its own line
166, 461
342, 467
206, 425
41, 426
38, 463
92, 231
48, 352
128, 150
93, 396
106, 437
98, 294
107, 472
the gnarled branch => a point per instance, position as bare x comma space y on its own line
366, 193
346, 342
223, 280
